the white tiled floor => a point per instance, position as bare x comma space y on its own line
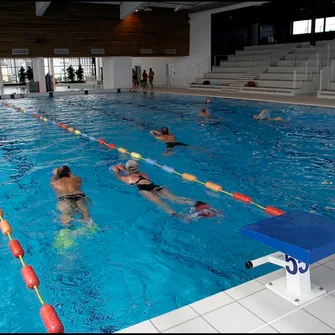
252, 308
174, 318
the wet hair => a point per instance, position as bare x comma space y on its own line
203, 110
132, 166
63, 171
165, 131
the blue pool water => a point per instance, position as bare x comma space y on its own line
142, 262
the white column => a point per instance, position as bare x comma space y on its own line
98, 64
1, 80
52, 71
117, 72
39, 72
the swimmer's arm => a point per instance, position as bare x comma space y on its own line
262, 113
121, 167
117, 170
155, 133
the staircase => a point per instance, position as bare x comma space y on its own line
259, 67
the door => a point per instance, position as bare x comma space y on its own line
170, 74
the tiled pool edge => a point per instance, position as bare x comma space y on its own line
315, 102
204, 315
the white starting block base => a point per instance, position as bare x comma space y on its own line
279, 286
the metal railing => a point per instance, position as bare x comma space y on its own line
200, 68
312, 66
327, 75
231, 59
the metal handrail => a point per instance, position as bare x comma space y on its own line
198, 64
319, 63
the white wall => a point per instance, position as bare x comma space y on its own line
158, 65
117, 72
122, 72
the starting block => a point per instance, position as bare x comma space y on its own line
302, 239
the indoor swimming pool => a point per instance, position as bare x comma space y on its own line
138, 262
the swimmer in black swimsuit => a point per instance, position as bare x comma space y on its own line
170, 145
169, 139
71, 198
148, 189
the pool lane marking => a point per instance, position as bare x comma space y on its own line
210, 185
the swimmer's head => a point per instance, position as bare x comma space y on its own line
132, 167
203, 110
165, 131
208, 100
63, 171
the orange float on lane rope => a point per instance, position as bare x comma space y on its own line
16, 248
5, 227
30, 277
274, 211
101, 141
189, 177
1, 212
51, 320
242, 197
214, 187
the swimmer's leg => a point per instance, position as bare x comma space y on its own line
82, 207
156, 200
277, 119
67, 210
180, 200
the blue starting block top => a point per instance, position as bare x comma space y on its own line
304, 236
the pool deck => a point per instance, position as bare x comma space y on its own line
252, 308
307, 100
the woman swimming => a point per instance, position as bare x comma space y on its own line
147, 188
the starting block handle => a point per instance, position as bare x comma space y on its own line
276, 258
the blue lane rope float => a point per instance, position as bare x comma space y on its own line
189, 177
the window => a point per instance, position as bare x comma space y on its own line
319, 25
330, 23
10, 68
302, 27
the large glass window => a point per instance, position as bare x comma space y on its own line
319, 25
61, 64
330, 23
302, 27
10, 68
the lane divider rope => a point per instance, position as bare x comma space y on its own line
48, 314
189, 177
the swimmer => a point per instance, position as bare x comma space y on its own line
70, 197
202, 209
208, 100
147, 188
264, 115
203, 112
169, 139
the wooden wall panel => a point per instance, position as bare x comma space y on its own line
81, 26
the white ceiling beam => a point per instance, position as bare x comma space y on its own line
41, 7
168, 5
128, 8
